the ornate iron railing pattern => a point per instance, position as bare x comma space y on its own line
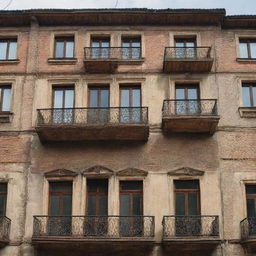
190, 226
92, 116
5, 224
190, 107
248, 228
196, 53
94, 226
113, 53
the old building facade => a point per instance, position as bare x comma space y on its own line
127, 132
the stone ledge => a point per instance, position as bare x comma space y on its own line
62, 61
247, 112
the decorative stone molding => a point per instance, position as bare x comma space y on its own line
98, 171
132, 172
186, 171
60, 173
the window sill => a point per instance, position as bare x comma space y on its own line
247, 112
5, 117
246, 60
9, 62
62, 61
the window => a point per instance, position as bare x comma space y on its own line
64, 47
131, 48
249, 94
100, 48
97, 205
131, 207
60, 208
8, 49
247, 48
99, 104
130, 97
185, 47
5, 98
3, 198
187, 99
251, 208
63, 104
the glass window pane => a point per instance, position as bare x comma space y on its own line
69, 98
243, 50
192, 94
136, 97
250, 207
3, 187
251, 189
125, 44
3, 50
12, 51
67, 205
58, 99
103, 205
190, 44
135, 44
61, 186
125, 205
253, 50
105, 44
186, 184
93, 98
55, 205
2, 205
137, 204
91, 205
104, 98
125, 100
6, 99
59, 50
254, 95
192, 204
69, 49
180, 44
246, 96
180, 204
131, 185
180, 94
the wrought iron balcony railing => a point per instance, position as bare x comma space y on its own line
92, 116
248, 228
111, 227
196, 53
206, 107
190, 226
5, 224
112, 53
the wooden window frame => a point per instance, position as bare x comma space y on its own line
4, 193
250, 86
187, 192
100, 40
185, 40
98, 88
64, 40
61, 193
250, 196
62, 88
131, 192
131, 40
187, 86
97, 194
248, 41
8, 41
130, 87
3, 87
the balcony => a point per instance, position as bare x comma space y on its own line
97, 232
91, 124
5, 224
193, 233
248, 234
107, 59
194, 116
187, 59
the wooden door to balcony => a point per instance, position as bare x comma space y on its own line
63, 104
187, 205
3, 198
251, 208
100, 48
187, 99
131, 48
99, 105
130, 101
186, 48
60, 208
131, 208
96, 223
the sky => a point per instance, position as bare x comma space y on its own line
233, 7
